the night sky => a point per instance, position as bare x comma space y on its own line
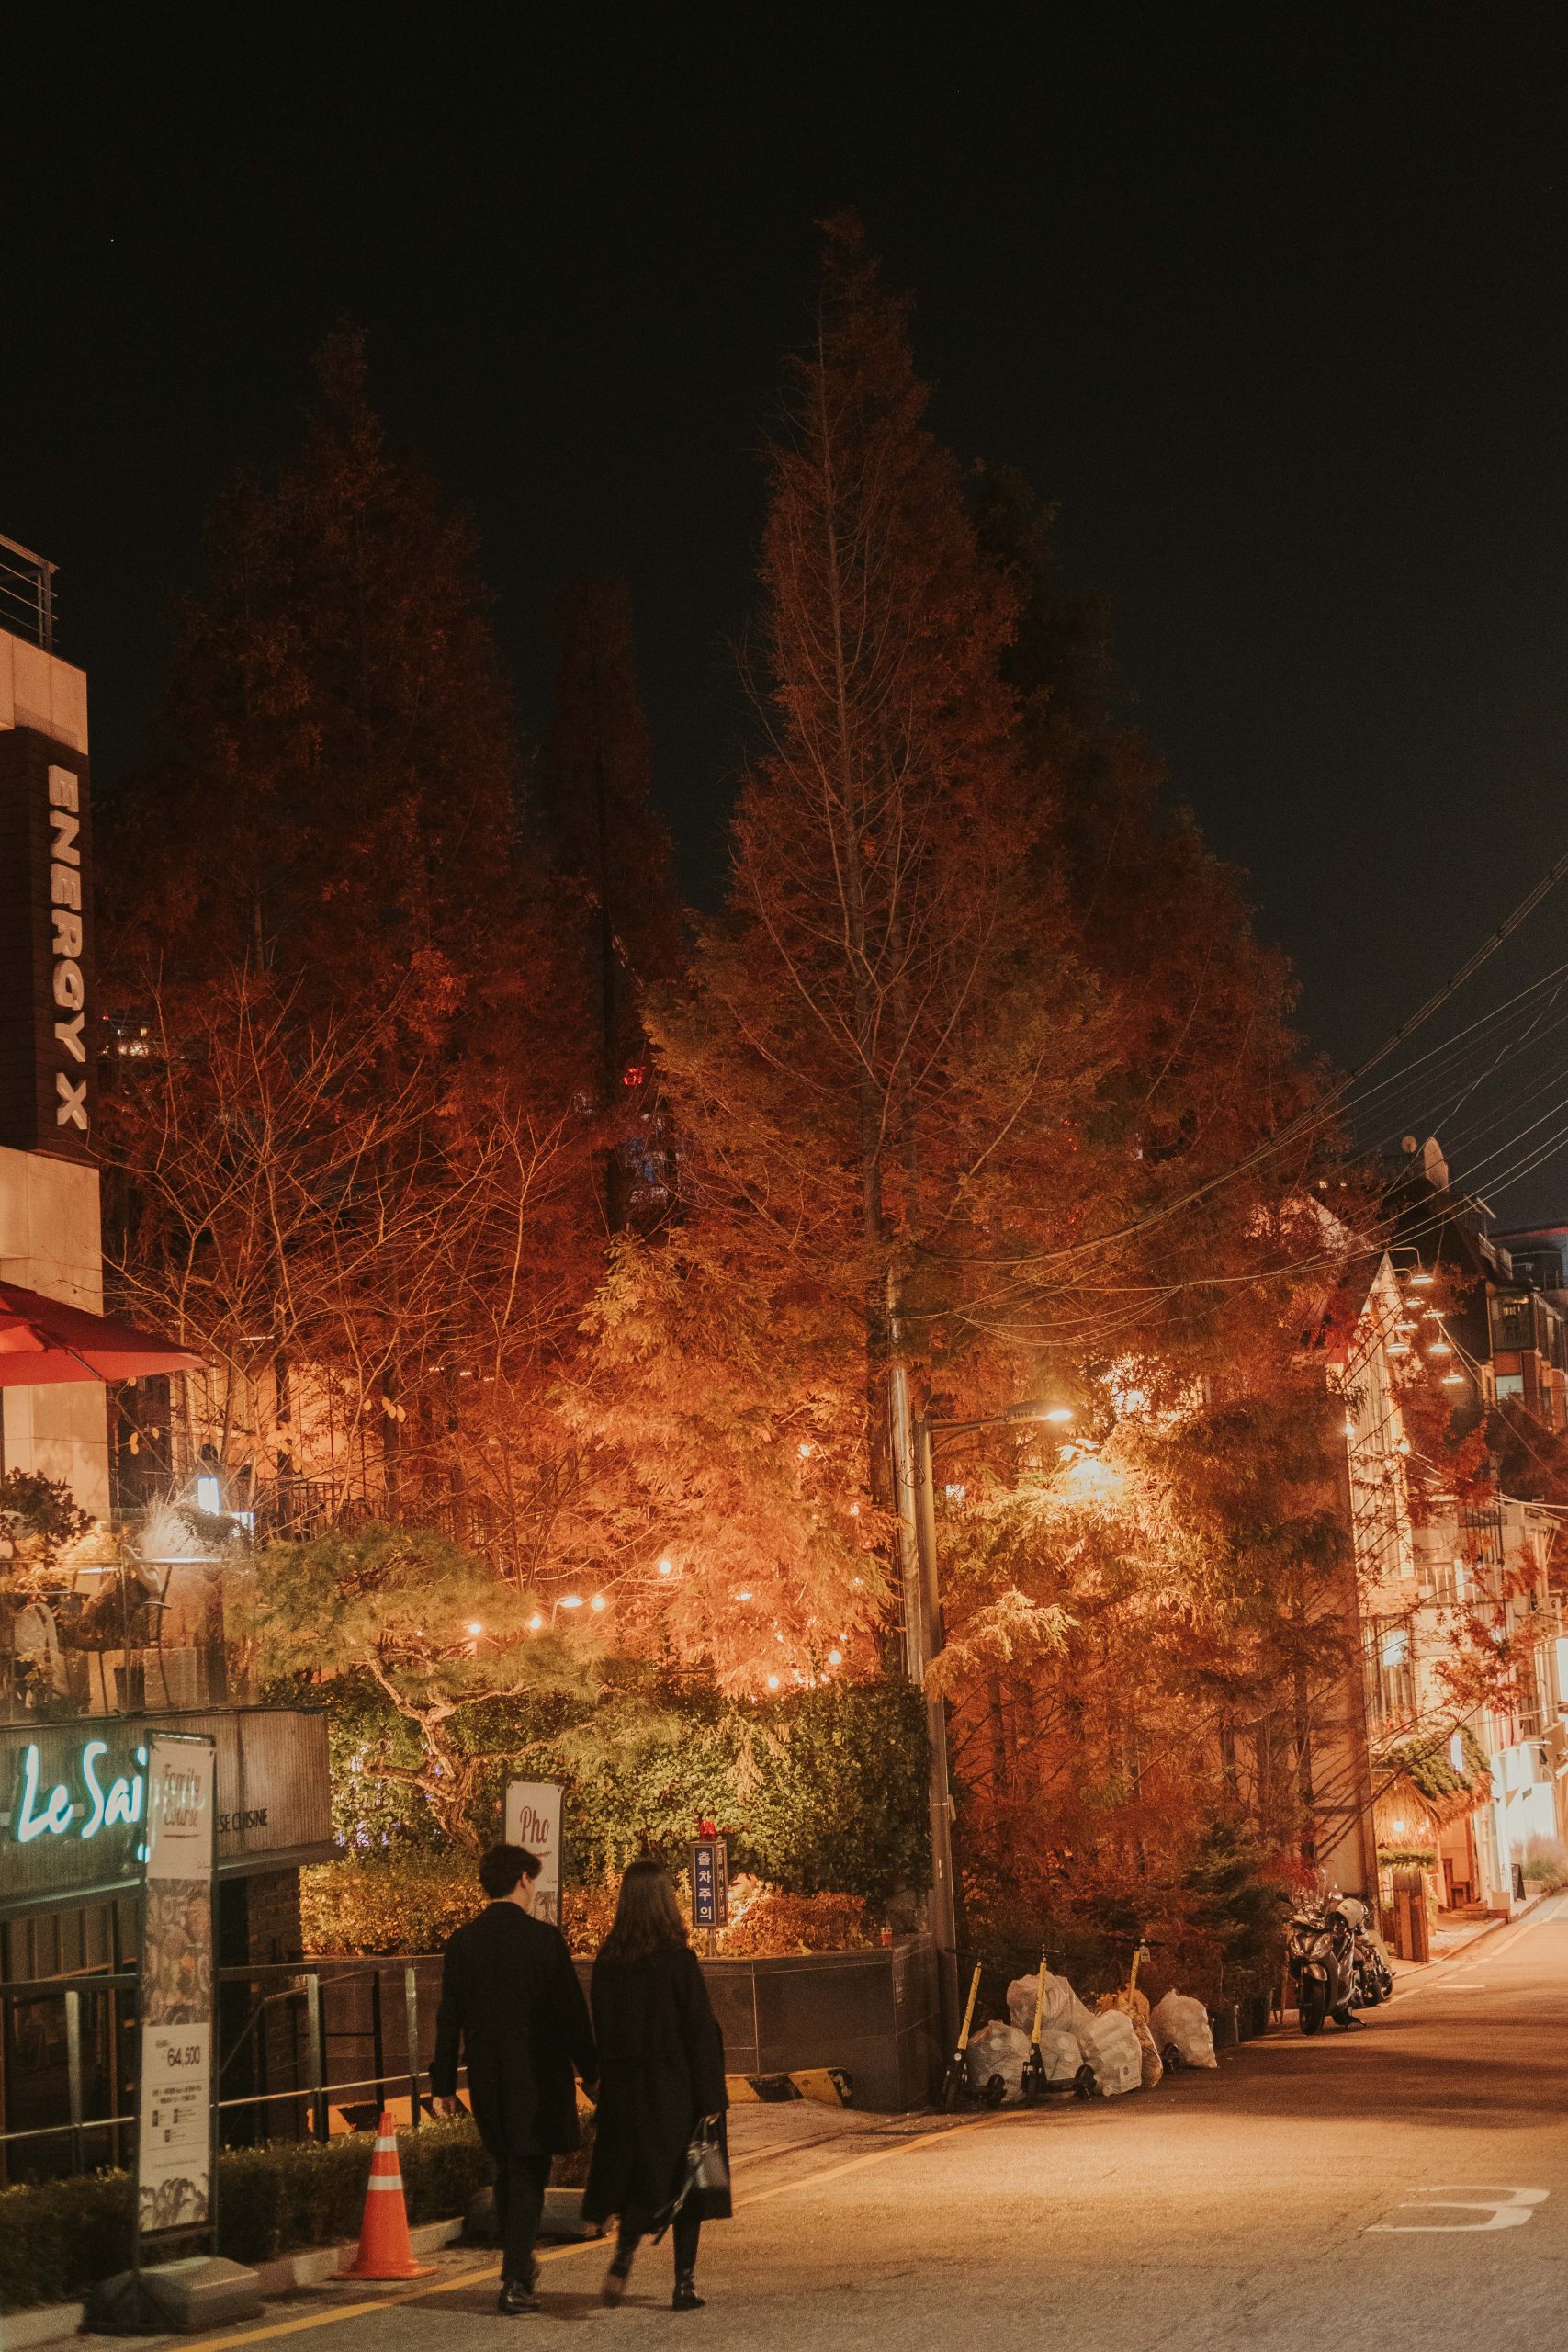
1271, 301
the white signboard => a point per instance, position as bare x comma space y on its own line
533, 1819
173, 2145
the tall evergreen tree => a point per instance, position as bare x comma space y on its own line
882, 1045
612, 848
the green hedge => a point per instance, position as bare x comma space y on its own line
58, 2236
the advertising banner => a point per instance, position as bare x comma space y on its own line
178, 2004
533, 1819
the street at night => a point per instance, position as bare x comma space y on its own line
1355, 2190
783, 1180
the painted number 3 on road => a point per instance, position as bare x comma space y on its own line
1502, 2208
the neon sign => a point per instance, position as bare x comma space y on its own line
58, 1814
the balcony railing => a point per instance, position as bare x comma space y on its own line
27, 595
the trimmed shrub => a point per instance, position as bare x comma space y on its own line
793, 1923
406, 1901
58, 2236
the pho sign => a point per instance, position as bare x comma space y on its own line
532, 1818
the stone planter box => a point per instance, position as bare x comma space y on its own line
875, 2014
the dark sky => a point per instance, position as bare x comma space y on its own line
1271, 300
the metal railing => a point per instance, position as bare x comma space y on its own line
305, 2028
26, 594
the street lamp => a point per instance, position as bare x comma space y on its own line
924, 1638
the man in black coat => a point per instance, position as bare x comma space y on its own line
510, 1993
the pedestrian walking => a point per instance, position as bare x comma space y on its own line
509, 1995
660, 2086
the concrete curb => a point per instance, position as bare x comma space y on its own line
20, 2331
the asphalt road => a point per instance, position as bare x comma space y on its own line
1405, 2185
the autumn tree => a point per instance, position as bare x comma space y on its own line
881, 1041
349, 1160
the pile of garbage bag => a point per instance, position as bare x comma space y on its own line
1126, 2044
1180, 2024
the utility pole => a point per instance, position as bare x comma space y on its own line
914, 1495
914, 1438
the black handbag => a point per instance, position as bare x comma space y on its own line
705, 2172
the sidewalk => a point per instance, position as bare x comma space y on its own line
1448, 1942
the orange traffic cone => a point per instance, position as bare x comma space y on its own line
384, 2248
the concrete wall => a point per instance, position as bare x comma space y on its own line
48, 1242
37, 689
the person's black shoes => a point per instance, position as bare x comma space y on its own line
615, 2278
685, 2298
517, 2297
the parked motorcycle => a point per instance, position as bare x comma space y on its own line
1375, 1978
1319, 1951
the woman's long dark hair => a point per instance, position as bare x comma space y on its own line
648, 1919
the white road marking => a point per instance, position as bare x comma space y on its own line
1505, 2208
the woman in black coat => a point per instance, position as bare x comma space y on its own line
661, 2077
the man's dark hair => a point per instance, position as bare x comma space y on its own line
500, 1868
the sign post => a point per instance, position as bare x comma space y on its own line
174, 2188
176, 2168
532, 1818
710, 1887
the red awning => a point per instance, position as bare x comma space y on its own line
43, 1341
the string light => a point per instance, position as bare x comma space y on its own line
666, 1567
599, 1602
835, 1657
535, 1623
804, 1448
475, 1626
743, 1596
572, 1601
772, 1681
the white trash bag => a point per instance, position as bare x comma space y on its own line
998, 2048
1114, 2053
1180, 2023
1061, 2007
1061, 2053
